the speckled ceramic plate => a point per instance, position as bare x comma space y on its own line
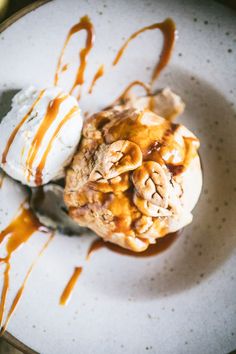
183, 300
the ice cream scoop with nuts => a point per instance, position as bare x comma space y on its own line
136, 175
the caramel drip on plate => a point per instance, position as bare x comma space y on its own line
97, 76
70, 286
64, 68
22, 288
18, 232
130, 86
51, 114
2, 176
95, 246
41, 165
160, 246
84, 24
168, 30
17, 128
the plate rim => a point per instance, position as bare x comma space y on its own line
17, 344
7, 336
21, 13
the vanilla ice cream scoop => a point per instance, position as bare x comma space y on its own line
39, 135
135, 178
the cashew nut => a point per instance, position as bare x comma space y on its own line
115, 159
151, 183
148, 208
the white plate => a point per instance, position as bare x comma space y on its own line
182, 301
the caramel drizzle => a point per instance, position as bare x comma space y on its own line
51, 114
22, 288
126, 91
64, 68
191, 146
70, 286
2, 176
168, 30
97, 76
160, 246
84, 24
19, 231
17, 128
41, 165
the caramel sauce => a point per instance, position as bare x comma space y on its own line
190, 152
191, 146
151, 103
2, 176
70, 286
176, 155
64, 68
41, 165
97, 76
175, 170
160, 246
17, 128
51, 114
118, 184
18, 232
168, 30
127, 90
132, 129
22, 288
84, 24
125, 212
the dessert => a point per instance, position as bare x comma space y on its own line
39, 135
131, 180
135, 175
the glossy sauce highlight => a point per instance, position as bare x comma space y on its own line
70, 286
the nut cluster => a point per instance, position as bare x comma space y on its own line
125, 180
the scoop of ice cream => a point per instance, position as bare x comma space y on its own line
165, 103
39, 135
129, 181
